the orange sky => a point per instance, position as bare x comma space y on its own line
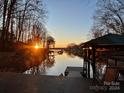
65, 42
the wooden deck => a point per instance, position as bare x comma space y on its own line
21, 83
74, 74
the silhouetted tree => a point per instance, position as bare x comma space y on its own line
18, 18
109, 17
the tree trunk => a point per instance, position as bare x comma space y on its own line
4, 19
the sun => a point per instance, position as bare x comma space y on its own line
36, 46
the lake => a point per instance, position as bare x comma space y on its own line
56, 64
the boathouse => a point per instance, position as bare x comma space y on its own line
105, 48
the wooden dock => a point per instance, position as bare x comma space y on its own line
73, 71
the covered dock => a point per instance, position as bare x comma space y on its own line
103, 49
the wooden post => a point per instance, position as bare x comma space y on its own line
107, 61
94, 61
116, 62
88, 63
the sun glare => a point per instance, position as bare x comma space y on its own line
36, 46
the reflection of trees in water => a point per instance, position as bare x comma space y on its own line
27, 62
70, 54
41, 68
74, 53
36, 70
74, 50
49, 62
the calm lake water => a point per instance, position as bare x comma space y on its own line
56, 64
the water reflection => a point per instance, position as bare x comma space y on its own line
52, 63
33, 61
55, 64
45, 64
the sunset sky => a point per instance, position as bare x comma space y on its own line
69, 21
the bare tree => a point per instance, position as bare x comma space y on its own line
96, 32
109, 17
18, 18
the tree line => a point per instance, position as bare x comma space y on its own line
108, 18
22, 20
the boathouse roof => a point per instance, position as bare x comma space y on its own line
106, 40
